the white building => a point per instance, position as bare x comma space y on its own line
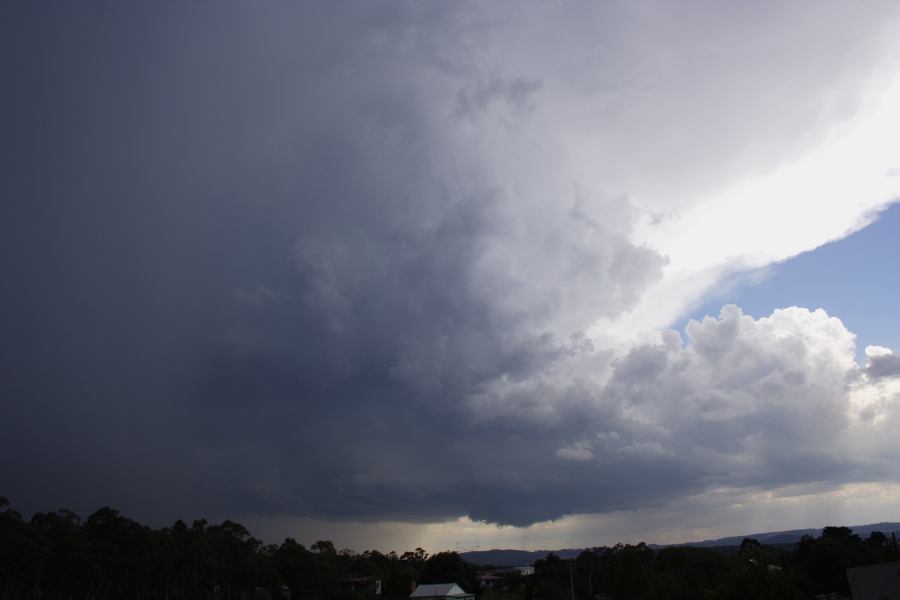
440, 591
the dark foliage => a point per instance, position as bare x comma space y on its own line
109, 557
754, 572
56, 555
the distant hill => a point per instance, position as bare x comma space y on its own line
793, 536
513, 558
517, 558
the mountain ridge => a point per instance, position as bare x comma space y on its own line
512, 558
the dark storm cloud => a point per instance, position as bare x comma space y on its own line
244, 278
299, 262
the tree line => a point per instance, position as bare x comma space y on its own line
107, 556
754, 571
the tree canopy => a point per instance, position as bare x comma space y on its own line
108, 556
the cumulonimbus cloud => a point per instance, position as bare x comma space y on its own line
387, 261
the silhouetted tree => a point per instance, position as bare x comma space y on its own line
56, 555
449, 567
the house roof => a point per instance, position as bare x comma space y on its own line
431, 590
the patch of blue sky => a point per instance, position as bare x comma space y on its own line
856, 279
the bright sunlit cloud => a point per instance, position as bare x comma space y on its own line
832, 190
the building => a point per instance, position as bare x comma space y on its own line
440, 591
489, 580
361, 587
875, 582
498, 578
515, 571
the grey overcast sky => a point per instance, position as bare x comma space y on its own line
403, 273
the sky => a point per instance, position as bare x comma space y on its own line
452, 275
856, 278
